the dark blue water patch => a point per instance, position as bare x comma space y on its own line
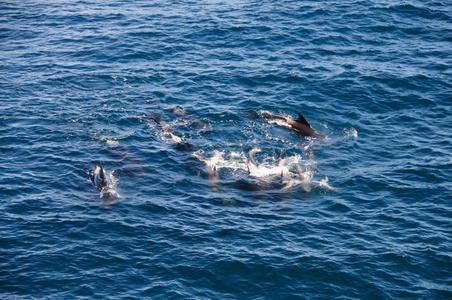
373, 222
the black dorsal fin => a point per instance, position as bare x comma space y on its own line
302, 120
157, 118
101, 173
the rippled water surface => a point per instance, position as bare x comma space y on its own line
166, 94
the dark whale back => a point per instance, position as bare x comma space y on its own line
101, 179
104, 183
300, 126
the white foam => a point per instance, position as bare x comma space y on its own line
295, 171
279, 122
351, 132
262, 171
324, 183
111, 142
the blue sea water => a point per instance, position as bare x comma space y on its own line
363, 214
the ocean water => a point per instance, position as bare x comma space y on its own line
166, 93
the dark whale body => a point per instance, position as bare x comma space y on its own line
104, 183
184, 147
300, 126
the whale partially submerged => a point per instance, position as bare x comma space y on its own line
300, 126
166, 130
184, 146
103, 181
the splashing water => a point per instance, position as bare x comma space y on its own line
293, 170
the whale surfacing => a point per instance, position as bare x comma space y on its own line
104, 183
300, 126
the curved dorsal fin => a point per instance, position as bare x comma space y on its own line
101, 173
157, 118
302, 120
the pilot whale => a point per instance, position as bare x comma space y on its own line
300, 126
184, 146
104, 182
166, 130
